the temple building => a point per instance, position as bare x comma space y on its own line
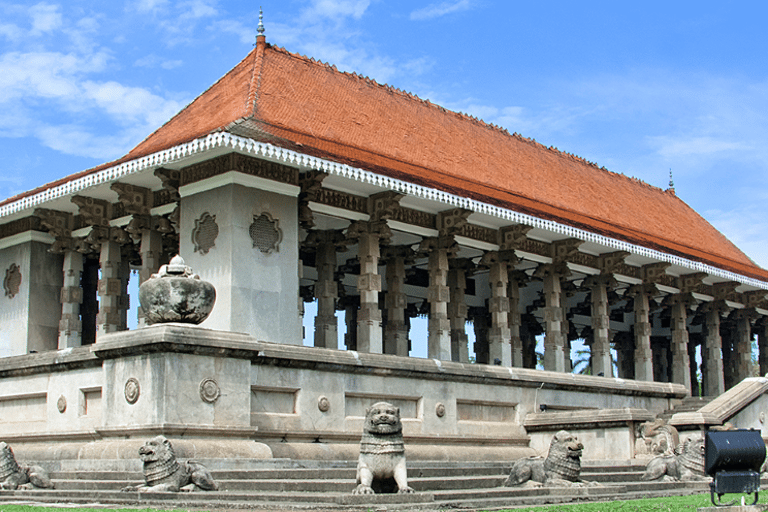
289, 182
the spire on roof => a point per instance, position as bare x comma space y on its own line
260, 38
671, 183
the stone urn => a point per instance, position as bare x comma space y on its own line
175, 294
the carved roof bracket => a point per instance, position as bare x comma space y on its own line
654, 272
316, 237
564, 250
135, 200
433, 243
171, 181
450, 222
755, 299
513, 237
491, 257
559, 269
686, 299
609, 263
607, 280
725, 290
688, 283
92, 211
59, 225
382, 206
360, 227
391, 252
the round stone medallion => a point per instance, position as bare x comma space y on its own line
132, 390
440, 410
209, 390
323, 403
61, 404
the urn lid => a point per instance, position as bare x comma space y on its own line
176, 268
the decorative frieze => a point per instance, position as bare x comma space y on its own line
18, 226
342, 200
242, 164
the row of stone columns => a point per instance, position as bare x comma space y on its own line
498, 336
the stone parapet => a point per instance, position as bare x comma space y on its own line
592, 418
724, 407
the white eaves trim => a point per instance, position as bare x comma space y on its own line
244, 145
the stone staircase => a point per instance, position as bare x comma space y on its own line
689, 404
295, 485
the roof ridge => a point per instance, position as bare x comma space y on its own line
464, 116
188, 105
255, 84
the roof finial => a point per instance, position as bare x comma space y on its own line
671, 182
260, 38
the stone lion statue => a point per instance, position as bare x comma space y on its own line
686, 463
381, 465
656, 438
561, 467
15, 476
163, 473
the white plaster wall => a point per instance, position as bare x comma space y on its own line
170, 391
30, 320
256, 293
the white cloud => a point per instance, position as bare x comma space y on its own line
154, 61
338, 9
45, 18
440, 9
674, 147
11, 32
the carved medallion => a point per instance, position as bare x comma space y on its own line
440, 410
209, 390
61, 404
205, 233
132, 390
265, 233
323, 404
12, 280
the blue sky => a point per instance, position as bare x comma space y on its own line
640, 88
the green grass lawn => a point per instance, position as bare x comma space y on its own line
670, 504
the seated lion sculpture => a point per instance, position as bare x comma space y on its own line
163, 473
686, 463
15, 476
561, 467
381, 465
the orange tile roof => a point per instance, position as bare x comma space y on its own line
302, 104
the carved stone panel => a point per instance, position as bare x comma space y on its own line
12, 281
205, 233
265, 233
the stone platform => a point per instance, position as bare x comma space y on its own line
217, 393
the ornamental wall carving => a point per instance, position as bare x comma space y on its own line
242, 164
205, 233
12, 281
265, 233
342, 200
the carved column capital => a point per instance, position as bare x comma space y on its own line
94, 212
652, 272
688, 283
382, 206
512, 237
607, 280
450, 222
135, 200
725, 291
559, 269
565, 250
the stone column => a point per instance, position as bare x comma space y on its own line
350, 305
480, 321
396, 329
681, 369
713, 383
555, 338
516, 278
70, 325
643, 353
325, 245
743, 343
151, 250
439, 328
499, 336
761, 327
602, 362
369, 235
625, 360
457, 308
